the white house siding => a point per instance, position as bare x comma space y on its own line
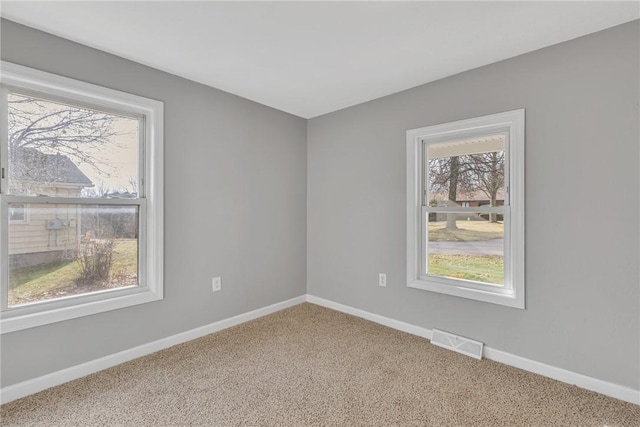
34, 236
32, 242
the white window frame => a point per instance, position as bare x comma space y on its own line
512, 294
150, 201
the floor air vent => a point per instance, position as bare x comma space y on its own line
457, 343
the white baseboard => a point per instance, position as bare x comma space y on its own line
609, 389
392, 323
583, 381
25, 388
44, 382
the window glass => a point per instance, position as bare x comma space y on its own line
466, 172
467, 246
61, 150
72, 249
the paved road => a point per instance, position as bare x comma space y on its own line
482, 247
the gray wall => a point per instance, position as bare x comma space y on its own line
582, 183
235, 206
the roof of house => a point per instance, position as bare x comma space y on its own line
47, 168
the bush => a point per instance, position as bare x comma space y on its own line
95, 258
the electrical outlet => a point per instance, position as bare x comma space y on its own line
216, 284
382, 279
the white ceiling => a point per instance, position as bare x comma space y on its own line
311, 58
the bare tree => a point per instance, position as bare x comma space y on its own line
471, 173
448, 174
97, 191
487, 175
54, 128
132, 186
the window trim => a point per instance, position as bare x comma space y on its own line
150, 202
512, 295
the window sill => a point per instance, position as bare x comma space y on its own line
500, 296
20, 318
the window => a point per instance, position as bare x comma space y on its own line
18, 214
81, 199
465, 208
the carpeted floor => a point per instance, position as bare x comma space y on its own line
310, 366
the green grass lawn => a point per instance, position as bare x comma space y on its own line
467, 231
480, 268
55, 280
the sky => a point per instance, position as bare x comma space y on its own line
119, 156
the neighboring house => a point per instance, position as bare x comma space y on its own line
41, 233
466, 200
479, 198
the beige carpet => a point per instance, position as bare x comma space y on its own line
308, 366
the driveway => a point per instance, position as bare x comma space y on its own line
480, 247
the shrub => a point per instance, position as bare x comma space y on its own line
95, 258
